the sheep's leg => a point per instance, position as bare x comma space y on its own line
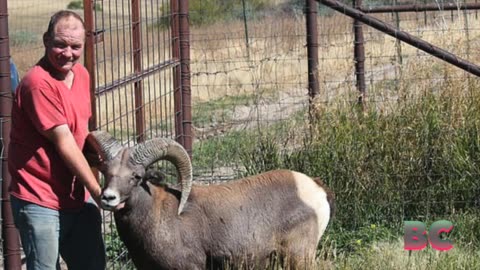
300, 262
298, 252
298, 255
217, 262
299, 258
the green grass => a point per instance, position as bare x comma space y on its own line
417, 161
116, 252
221, 150
220, 109
23, 38
79, 5
391, 255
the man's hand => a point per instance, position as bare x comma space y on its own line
97, 197
74, 158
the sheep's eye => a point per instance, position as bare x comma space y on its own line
137, 176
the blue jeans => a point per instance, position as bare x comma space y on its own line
46, 233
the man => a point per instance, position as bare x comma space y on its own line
52, 184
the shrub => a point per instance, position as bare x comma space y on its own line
417, 162
79, 5
23, 38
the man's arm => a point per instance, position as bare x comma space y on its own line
73, 157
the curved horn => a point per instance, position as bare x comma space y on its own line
153, 150
104, 144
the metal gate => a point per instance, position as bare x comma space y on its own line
137, 53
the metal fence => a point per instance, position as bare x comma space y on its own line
137, 53
246, 74
259, 65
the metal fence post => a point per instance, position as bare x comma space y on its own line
245, 25
359, 55
311, 8
137, 66
90, 58
182, 83
11, 243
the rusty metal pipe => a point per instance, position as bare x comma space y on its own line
11, 243
312, 48
403, 36
90, 58
137, 67
359, 55
181, 73
177, 78
421, 8
185, 76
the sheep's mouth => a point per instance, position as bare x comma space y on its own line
119, 206
113, 206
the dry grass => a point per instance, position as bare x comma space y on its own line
276, 64
392, 256
283, 36
275, 61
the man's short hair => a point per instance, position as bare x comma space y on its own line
59, 15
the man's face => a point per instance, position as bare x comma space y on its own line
66, 46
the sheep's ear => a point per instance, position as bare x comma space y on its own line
154, 176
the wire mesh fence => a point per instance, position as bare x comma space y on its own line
132, 68
410, 153
390, 161
135, 64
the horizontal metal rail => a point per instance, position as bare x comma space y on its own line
420, 8
403, 36
137, 76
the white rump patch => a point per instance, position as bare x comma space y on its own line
314, 196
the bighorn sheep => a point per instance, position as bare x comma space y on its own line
242, 223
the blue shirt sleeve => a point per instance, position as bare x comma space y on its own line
14, 78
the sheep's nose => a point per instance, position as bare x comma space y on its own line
110, 199
108, 196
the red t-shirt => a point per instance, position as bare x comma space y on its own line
42, 102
